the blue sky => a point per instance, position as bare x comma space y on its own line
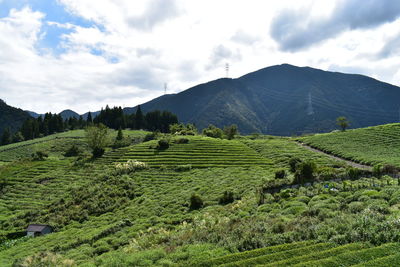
85, 54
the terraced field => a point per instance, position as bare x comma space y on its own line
200, 152
372, 145
151, 223
313, 254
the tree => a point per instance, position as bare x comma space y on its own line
231, 131
212, 131
139, 119
97, 139
6, 137
120, 135
343, 123
89, 119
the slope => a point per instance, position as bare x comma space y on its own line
372, 145
11, 117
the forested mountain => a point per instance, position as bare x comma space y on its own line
66, 114
284, 100
11, 117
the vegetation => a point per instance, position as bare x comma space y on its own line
97, 139
371, 146
343, 123
203, 201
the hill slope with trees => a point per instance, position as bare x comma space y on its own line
284, 100
11, 117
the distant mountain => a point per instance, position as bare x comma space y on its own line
284, 100
11, 117
66, 114
33, 114
94, 114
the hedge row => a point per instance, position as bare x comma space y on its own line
357, 257
254, 253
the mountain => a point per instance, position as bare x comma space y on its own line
284, 100
33, 114
66, 114
11, 117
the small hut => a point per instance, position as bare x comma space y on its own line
34, 230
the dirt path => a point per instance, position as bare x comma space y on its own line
348, 162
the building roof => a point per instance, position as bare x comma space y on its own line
37, 227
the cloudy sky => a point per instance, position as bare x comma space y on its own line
84, 54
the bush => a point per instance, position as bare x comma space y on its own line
212, 131
280, 174
98, 152
353, 173
39, 155
121, 143
195, 202
162, 144
226, 198
73, 151
130, 166
293, 162
182, 168
182, 141
150, 136
231, 131
305, 172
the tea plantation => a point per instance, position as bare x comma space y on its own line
198, 201
372, 145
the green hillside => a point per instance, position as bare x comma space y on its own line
372, 145
104, 215
11, 117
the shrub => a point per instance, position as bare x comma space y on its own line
39, 155
73, 151
182, 168
377, 170
182, 141
45, 259
353, 173
150, 136
162, 144
226, 198
231, 131
121, 143
195, 202
98, 152
305, 172
280, 174
293, 162
212, 131
130, 166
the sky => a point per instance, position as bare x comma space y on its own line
85, 54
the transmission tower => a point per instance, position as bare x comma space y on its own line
227, 69
310, 110
165, 88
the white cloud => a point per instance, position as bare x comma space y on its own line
134, 47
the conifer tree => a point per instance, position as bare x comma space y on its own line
6, 137
139, 119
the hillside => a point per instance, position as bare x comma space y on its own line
284, 100
106, 215
372, 145
11, 117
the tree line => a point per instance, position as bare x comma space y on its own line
113, 118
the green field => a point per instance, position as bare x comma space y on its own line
144, 218
372, 145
